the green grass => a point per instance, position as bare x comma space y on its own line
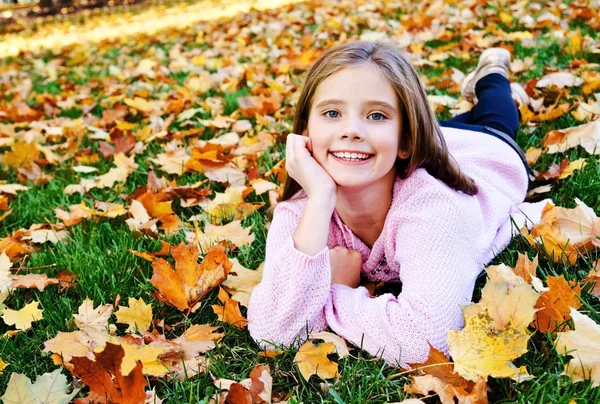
97, 250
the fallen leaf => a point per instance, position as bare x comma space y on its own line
312, 359
23, 318
49, 388
104, 378
555, 304
229, 312
583, 344
241, 281
190, 281
586, 136
559, 79
138, 316
39, 281
495, 333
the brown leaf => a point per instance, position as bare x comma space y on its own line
107, 384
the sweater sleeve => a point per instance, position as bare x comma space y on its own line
289, 300
438, 269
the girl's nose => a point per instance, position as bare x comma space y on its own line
352, 130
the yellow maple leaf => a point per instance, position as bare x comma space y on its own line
3, 366
312, 359
69, 345
146, 354
138, 315
583, 344
22, 154
22, 319
495, 332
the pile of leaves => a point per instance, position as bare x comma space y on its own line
139, 170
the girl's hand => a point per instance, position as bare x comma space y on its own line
302, 167
345, 266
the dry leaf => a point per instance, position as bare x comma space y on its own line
22, 319
495, 333
312, 359
190, 281
105, 380
39, 281
229, 312
138, 316
555, 304
49, 388
583, 344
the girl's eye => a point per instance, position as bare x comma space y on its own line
378, 116
331, 114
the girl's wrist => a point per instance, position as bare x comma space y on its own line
325, 202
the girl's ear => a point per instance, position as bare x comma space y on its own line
403, 154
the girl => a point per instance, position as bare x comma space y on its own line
377, 189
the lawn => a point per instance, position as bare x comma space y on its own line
124, 130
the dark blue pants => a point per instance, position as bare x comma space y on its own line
494, 114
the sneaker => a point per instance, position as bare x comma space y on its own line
492, 60
519, 95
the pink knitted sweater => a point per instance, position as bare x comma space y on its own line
435, 241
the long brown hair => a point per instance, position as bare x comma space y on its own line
422, 137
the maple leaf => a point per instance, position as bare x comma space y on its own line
441, 378
255, 389
190, 281
584, 345
49, 388
229, 312
146, 354
312, 359
242, 281
3, 366
68, 345
39, 281
22, 319
232, 232
22, 154
138, 316
495, 332
106, 382
586, 136
555, 304
565, 233
94, 321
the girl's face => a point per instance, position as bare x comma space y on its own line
356, 110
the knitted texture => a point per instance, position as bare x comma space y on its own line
435, 241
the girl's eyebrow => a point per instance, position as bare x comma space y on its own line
382, 104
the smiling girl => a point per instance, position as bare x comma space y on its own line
378, 189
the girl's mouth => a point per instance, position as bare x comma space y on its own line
352, 161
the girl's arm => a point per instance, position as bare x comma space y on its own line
289, 300
436, 248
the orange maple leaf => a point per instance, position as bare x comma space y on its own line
189, 282
555, 304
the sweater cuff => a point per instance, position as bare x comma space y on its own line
298, 259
